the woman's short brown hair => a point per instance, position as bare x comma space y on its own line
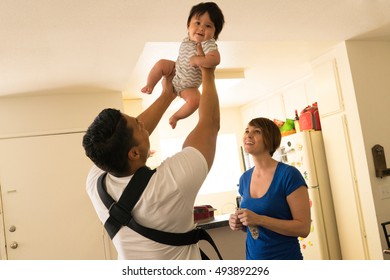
270, 131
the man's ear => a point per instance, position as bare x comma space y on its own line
133, 154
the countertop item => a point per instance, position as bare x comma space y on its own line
216, 222
203, 213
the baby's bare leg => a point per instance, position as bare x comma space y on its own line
192, 98
162, 68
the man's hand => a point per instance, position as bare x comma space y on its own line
199, 49
152, 115
167, 87
196, 60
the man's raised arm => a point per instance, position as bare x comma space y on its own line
152, 115
204, 136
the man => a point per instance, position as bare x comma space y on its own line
119, 144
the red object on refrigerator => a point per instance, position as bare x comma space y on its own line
309, 118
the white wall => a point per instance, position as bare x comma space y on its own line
370, 69
52, 113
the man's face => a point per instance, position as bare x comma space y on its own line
140, 135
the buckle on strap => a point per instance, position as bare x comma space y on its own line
119, 214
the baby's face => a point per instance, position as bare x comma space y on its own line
201, 28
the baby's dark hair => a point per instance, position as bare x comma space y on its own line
215, 14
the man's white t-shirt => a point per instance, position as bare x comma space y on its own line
166, 204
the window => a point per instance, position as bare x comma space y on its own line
225, 172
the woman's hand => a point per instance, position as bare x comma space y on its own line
234, 223
247, 217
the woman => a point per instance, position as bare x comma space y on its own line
275, 201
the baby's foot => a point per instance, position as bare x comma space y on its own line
173, 121
147, 89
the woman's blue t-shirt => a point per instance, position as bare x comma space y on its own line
271, 245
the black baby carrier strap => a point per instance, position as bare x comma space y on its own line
120, 214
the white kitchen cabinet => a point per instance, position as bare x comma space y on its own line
271, 108
346, 197
275, 106
254, 110
328, 88
311, 92
295, 98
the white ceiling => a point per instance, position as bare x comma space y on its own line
109, 45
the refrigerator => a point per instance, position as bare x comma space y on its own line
305, 150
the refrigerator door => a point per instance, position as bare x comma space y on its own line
305, 151
296, 150
314, 246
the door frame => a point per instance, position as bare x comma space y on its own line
3, 249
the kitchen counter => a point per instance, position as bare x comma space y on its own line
217, 222
231, 244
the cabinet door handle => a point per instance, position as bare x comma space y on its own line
14, 245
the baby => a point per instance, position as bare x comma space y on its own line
204, 24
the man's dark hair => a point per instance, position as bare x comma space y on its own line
215, 13
108, 141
